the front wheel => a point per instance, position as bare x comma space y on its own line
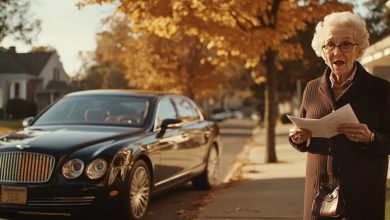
209, 177
138, 191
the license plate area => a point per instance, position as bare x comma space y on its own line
16, 195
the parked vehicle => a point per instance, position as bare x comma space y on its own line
107, 149
221, 114
256, 116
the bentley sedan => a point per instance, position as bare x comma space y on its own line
106, 150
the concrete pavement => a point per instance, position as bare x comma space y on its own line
268, 191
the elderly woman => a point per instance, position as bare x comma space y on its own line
359, 153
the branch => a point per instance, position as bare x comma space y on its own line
274, 13
242, 26
262, 22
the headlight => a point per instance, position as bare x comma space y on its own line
73, 168
96, 169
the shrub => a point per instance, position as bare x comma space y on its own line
19, 108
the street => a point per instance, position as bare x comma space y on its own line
178, 203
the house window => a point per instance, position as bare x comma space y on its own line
56, 74
17, 90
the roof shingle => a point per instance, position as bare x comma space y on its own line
30, 63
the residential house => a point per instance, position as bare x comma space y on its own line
36, 77
376, 59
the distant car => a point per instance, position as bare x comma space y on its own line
238, 114
94, 150
256, 116
220, 115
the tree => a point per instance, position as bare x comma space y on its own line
102, 76
257, 32
148, 61
378, 19
308, 67
43, 49
98, 74
16, 20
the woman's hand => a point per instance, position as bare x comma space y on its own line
355, 132
299, 135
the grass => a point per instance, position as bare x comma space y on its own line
8, 126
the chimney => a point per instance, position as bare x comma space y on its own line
12, 49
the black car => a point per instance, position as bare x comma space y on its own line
107, 149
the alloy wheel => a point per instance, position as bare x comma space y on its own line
212, 166
139, 192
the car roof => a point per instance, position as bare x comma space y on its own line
138, 93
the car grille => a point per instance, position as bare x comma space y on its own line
25, 167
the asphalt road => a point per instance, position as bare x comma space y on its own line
178, 203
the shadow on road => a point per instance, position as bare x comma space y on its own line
259, 199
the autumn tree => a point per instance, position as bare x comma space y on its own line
257, 32
43, 49
16, 21
102, 76
236, 83
178, 64
304, 69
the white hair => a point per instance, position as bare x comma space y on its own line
344, 19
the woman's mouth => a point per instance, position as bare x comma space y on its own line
338, 62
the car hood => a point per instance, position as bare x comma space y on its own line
56, 139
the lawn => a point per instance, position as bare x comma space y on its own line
7, 126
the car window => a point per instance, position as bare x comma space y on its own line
109, 110
165, 110
187, 111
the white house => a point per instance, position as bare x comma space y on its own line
36, 76
376, 59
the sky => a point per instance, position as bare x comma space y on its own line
66, 28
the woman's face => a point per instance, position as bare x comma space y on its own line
340, 49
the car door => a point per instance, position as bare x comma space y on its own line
195, 129
173, 160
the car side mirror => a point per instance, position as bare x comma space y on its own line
27, 121
169, 123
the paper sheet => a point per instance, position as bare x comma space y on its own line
326, 126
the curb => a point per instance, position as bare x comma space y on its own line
241, 159
235, 172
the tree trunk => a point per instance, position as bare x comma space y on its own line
270, 107
190, 93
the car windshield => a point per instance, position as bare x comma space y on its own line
102, 110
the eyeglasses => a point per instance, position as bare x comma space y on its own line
344, 46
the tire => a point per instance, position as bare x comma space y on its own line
138, 192
209, 177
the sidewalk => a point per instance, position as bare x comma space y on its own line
269, 191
